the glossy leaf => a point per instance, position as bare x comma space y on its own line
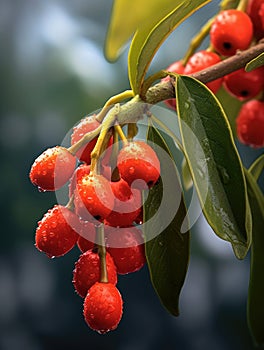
257, 167
167, 253
148, 39
214, 163
231, 106
127, 17
255, 63
255, 303
186, 175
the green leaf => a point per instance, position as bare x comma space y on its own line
255, 302
214, 163
255, 63
231, 106
168, 252
186, 175
148, 39
257, 167
127, 17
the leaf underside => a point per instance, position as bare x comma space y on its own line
167, 253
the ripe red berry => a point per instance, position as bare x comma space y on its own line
250, 123
87, 236
201, 60
103, 307
127, 205
231, 30
176, 67
86, 125
138, 161
126, 246
94, 197
255, 10
52, 169
245, 85
87, 271
56, 232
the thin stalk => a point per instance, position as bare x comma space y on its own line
102, 252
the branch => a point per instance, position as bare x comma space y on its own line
165, 90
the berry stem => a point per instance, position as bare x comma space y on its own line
112, 101
102, 252
165, 90
121, 134
108, 122
197, 40
132, 130
70, 204
242, 5
85, 139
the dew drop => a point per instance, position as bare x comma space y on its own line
131, 170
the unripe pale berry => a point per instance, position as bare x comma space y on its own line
231, 30
103, 307
250, 123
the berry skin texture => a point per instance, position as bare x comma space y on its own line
52, 169
201, 60
87, 271
244, 85
127, 249
56, 232
231, 30
127, 204
176, 67
255, 10
103, 307
87, 236
250, 124
86, 125
94, 197
138, 161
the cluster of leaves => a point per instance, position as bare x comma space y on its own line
234, 205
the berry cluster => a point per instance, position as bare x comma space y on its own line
102, 217
233, 30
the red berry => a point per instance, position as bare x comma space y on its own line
245, 85
231, 30
52, 169
255, 10
138, 161
127, 249
94, 196
176, 67
87, 271
86, 125
56, 232
78, 174
87, 236
201, 60
103, 307
127, 204
250, 123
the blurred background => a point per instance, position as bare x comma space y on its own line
54, 73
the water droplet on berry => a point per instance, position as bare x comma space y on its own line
131, 170
107, 316
89, 199
244, 129
53, 224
